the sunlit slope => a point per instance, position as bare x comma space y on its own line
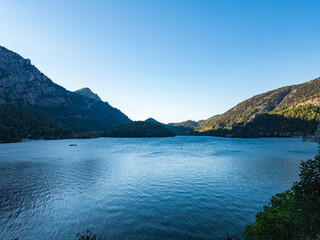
294, 102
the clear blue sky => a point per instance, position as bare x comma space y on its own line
172, 60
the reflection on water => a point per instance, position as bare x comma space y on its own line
165, 188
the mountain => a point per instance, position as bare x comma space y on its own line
88, 93
287, 111
153, 120
178, 129
141, 129
187, 124
23, 85
183, 128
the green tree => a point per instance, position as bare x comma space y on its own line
294, 214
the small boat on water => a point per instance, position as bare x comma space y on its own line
73, 145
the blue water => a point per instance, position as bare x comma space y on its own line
165, 188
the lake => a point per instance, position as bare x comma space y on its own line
160, 188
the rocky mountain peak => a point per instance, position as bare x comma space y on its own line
12, 61
88, 93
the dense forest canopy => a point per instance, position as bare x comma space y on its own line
16, 124
140, 129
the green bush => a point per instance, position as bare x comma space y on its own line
294, 214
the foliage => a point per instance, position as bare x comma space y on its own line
8, 134
306, 112
275, 125
16, 123
140, 129
294, 214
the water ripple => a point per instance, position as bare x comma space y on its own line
171, 188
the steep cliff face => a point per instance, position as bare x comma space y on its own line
24, 85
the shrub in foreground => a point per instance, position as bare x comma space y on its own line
293, 214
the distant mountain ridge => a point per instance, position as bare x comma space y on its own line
35, 107
23, 85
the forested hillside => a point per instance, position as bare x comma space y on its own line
287, 111
16, 124
140, 129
